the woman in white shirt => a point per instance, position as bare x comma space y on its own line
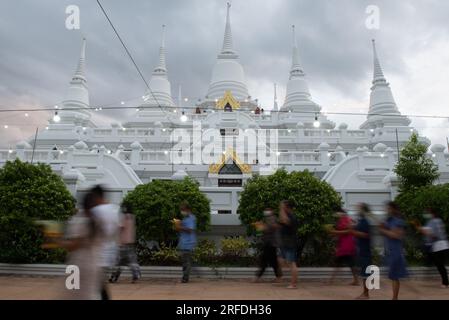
435, 231
81, 242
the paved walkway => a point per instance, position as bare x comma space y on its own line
25, 287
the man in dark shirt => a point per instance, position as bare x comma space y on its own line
363, 235
289, 228
270, 243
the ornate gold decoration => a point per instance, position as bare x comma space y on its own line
227, 98
230, 153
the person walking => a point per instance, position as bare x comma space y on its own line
394, 231
346, 249
187, 239
289, 240
127, 251
436, 238
362, 234
80, 240
270, 244
108, 218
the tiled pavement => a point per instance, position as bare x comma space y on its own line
26, 287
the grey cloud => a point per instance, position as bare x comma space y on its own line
38, 55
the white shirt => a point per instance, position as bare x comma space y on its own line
108, 219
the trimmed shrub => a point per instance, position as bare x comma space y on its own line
206, 253
29, 192
156, 204
314, 202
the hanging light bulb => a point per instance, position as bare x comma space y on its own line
316, 123
56, 117
183, 117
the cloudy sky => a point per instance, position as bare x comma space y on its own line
38, 55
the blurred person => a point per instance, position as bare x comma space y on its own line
187, 239
127, 250
270, 244
394, 231
438, 245
362, 233
346, 247
289, 241
80, 241
108, 218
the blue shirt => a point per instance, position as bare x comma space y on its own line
394, 246
187, 240
364, 244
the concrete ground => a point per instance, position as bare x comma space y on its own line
47, 288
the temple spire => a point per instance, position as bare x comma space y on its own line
296, 69
383, 110
378, 75
228, 47
80, 69
161, 67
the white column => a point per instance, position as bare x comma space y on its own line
324, 150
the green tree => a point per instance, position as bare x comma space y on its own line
414, 201
414, 168
29, 192
314, 201
156, 203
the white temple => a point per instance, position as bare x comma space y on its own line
357, 163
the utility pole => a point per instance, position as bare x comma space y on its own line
397, 142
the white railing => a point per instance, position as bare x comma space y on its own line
138, 157
154, 157
43, 156
136, 134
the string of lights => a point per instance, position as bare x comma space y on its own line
174, 109
40, 125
